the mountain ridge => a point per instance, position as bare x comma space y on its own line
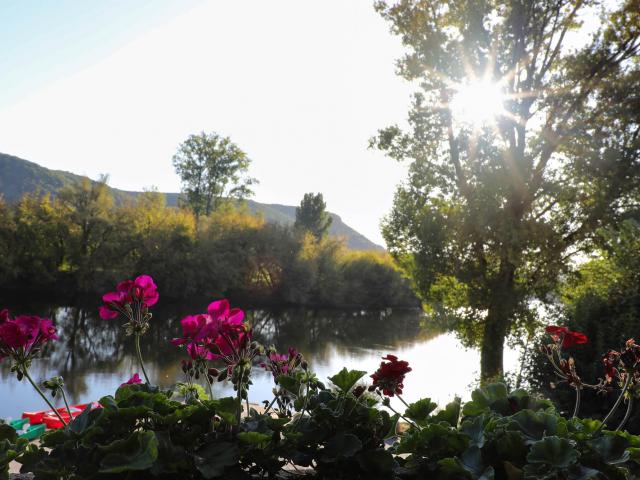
19, 176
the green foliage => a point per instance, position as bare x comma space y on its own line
601, 299
142, 432
11, 447
491, 212
312, 216
345, 380
212, 169
84, 241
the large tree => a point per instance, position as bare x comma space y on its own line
522, 141
312, 215
212, 169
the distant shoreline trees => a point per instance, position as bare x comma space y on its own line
81, 241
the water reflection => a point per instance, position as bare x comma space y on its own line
94, 356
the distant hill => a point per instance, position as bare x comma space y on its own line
19, 176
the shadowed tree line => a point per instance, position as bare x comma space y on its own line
82, 242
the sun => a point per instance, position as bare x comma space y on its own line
477, 103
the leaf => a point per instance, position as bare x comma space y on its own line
419, 411
256, 439
611, 448
536, 425
138, 452
450, 413
341, 445
346, 379
212, 460
474, 429
7, 432
469, 465
553, 451
227, 409
377, 462
83, 421
484, 398
289, 383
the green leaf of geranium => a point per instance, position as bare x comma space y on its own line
553, 451
212, 460
378, 463
483, 398
419, 411
469, 465
226, 408
474, 429
255, 439
289, 383
7, 432
450, 413
346, 379
138, 452
611, 448
536, 425
341, 445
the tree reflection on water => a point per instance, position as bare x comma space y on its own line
93, 351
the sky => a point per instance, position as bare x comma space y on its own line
113, 87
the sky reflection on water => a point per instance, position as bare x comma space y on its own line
95, 357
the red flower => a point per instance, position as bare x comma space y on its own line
574, 338
390, 375
569, 338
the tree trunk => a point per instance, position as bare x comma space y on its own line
497, 324
491, 354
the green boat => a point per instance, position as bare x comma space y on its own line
30, 432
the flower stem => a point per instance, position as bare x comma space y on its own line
139, 353
270, 405
206, 376
64, 397
577, 406
404, 418
26, 374
626, 415
627, 381
239, 411
402, 400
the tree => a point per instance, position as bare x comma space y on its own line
312, 216
492, 212
89, 216
212, 169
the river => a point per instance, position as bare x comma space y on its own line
94, 356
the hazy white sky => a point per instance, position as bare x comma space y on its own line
113, 87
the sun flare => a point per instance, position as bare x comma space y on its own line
477, 103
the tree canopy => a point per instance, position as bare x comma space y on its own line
212, 169
493, 212
312, 215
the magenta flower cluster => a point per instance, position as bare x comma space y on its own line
141, 291
22, 336
215, 334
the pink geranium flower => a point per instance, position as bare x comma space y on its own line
281, 364
142, 290
134, 380
22, 337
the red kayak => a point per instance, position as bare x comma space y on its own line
51, 420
